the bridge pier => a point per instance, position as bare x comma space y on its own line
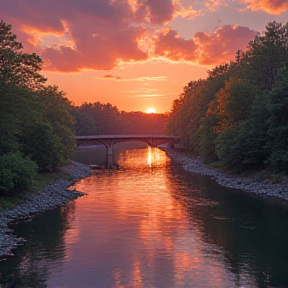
109, 140
110, 156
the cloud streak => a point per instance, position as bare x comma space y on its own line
109, 77
146, 78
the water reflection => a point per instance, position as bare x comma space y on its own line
165, 250
150, 224
45, 248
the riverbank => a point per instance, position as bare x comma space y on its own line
50, 197
252, 183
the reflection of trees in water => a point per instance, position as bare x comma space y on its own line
251, 232
45, 248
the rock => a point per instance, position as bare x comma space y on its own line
51, 196
253, 185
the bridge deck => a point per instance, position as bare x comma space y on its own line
110, 140
128, 136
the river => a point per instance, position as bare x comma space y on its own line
151, 224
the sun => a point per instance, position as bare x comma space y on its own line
150, 110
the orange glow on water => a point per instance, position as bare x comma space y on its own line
136, 218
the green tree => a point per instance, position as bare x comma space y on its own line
247, 143
19, 109
278, 123
17, 67
232, 104
267, 54
56, 111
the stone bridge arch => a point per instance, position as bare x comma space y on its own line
110, 140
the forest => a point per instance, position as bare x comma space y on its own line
38, 123
36, 126
238, 114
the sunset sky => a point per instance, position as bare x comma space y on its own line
135, 54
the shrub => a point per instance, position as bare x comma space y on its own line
16, 172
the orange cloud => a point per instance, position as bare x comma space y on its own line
274, 7
212, 5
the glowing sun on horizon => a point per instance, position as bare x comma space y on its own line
151, 110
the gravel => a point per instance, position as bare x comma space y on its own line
248, 184
50, 197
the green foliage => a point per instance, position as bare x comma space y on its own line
266, 55
16, 172
57, 112
206, 142
238, 115
278, 123
17, 67
36, 126
229, 147
232, 103
19, 109
43, 146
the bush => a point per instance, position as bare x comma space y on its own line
278, 161
16, 172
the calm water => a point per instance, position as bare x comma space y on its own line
150, 224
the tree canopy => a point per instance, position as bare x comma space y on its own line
21, 69
36, 126
237, 114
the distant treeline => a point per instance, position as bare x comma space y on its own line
239, 113
97, 118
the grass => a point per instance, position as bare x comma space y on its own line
8, 202
42, 180
46, 178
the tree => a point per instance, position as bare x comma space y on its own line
56, 111
232, 104
266, 55
19, 109
17, 67
278, 123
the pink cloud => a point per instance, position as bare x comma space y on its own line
155, 11
222, 44
73, 35
161, 11
205, 48
171, 46
101, 32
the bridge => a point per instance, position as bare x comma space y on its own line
109, 140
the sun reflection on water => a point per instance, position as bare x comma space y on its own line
135, 222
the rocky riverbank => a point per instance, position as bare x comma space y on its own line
51, 196
251, 184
